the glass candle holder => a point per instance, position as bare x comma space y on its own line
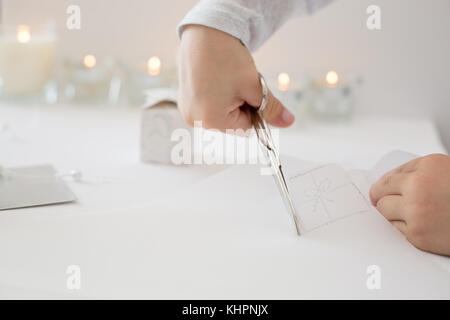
27, 54
151, 75
332, 99
88, 81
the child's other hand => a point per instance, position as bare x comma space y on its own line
415, 198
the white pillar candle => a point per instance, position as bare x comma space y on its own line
26, 59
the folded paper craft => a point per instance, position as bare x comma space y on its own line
325, 194
160, 117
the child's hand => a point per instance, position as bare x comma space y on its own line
217, 77
415, 198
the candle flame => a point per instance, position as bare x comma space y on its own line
332, 78
154, 66
23, 33
89, 61
283, 81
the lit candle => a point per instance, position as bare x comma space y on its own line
154, 66
332, 79
331, 91
283, 81
89, 81
333, 99
23, 34
88, 73
89, 61
26, 59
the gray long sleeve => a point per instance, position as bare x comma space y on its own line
251, 21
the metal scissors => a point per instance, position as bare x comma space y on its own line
264, 136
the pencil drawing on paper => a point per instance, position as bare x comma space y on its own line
325, 194
318, 193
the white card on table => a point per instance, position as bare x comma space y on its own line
32, 186
325, 194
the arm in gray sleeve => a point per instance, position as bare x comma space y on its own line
251, 21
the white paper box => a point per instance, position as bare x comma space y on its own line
160, 117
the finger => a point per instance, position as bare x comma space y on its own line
409, 166
275, 112
391, 184
250, 89
399, 225
239, 121
391, 207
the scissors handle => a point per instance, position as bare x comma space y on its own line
265, 94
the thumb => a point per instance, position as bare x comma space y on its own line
276, 113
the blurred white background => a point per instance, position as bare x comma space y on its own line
405, 65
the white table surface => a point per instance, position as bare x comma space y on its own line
104, 144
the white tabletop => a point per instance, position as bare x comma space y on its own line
104, 144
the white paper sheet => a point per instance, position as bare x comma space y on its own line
228, 237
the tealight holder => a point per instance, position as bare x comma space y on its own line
290, 93
27, 54
332, 99
150, 75
87, 81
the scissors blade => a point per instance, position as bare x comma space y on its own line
284, 191
266, 141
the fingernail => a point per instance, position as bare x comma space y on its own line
287, 117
